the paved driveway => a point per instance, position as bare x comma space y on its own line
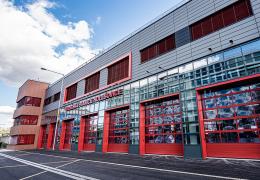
72, 165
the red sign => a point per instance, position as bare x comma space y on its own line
95, 99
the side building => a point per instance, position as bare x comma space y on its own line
186, 84
27, 116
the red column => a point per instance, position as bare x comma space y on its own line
81, 134
142, 130
50, 135
201, 123
105, 132
40, 137
62, 137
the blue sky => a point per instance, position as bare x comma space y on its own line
98, 24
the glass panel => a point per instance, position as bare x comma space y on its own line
215, 58
251, 47
233, 53
186, 68
200, 63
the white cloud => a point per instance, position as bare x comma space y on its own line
31, 37
98, 20
6, 116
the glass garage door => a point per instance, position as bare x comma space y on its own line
119, 131
90, 133
232, 121
163, 127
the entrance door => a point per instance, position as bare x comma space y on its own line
231, 119
163, 126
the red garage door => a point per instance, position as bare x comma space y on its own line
66, 135
231, 119
88, 133
162, 125
116, 130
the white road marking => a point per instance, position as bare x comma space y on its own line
47, 171
33, 175
148, 168
21, 165
50, 169
234, 159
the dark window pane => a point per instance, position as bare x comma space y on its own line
217, 21
118, 71
207, 26
152, 52
242, 10
196, 31
229, 16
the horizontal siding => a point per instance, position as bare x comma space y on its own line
177, 21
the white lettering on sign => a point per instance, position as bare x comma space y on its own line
95, 99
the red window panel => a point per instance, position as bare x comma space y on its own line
118, 71
92, 82
217, 21
152, 51
158, 48
196, 31
90, 132
225, 17
242, 10
170, 43
71, 92
68, 132
229, 16
207, 27
25, 139
144, 55
161, 47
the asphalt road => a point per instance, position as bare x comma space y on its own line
72, 165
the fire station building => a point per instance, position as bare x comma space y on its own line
186, 84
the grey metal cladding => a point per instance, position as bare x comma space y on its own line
103, 78
180, 18
81, 88
199, 9
51, 107
220, 4
239, 32
182, 37
164, 27
53, 89
256, 10
176, 22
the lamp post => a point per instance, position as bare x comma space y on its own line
58, 113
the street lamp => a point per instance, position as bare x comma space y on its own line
58, 113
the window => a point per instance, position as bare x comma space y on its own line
71, 92
29, 101
26, 120
165, 45
118, 71
25, 139
225, 17
56, 97
92, 82
47, 101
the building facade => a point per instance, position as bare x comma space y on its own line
187, 84
28, 115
